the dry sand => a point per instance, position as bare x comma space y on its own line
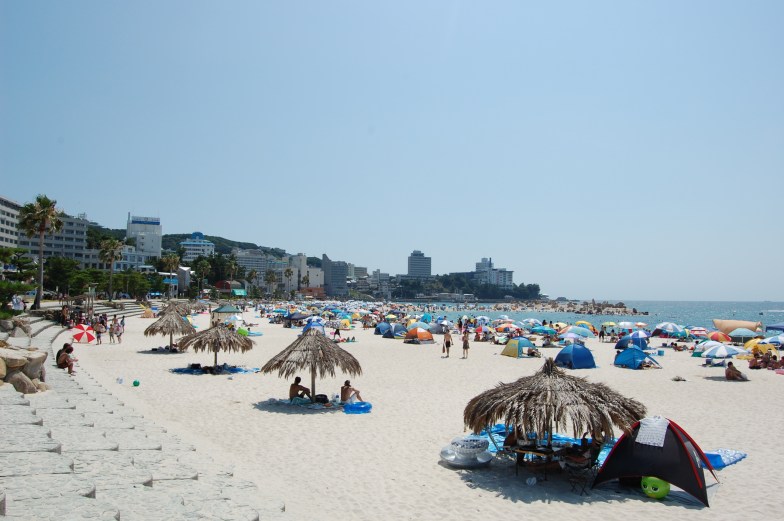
385, 465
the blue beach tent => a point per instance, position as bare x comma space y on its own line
776, 327
629, 341
575, 356
632, 358
382, 328
395, 331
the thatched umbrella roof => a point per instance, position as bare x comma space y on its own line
180, 308
170, 323
313, 352
218, 338
551, 400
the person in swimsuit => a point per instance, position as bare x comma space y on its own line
298, 391
349, 394
465, 344
65, 360
447, 343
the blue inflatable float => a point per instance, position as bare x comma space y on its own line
357, 408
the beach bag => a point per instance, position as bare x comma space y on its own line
443, 349
321, 398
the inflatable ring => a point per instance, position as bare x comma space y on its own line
357, 408
469, 445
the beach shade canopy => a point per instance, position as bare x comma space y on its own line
318, 326
776, 340
660, 448
312, 352
698, 331
179, 308
575, 356
639, 334
419, 335
83, 333
395, 331
382, 328
578, 330
171, 324
775, 327
666, 328
417, 324
217, 338
438, 328
741, 334
632, 358
543, 330
626, 325
517, 347
718, 336
551, 400
722, 351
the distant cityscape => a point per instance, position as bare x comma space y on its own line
332, 278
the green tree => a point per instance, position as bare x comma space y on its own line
306, 281
288, 272
37, 219
22, 268
111, 251
59, 271
251, 278
171, 263
202, 268
270, 278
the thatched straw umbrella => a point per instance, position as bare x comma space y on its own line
180, 308
218, 338
170, 323
551, 400
314, 352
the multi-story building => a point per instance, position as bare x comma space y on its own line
335, 275
252, 260
131, 259
70, 242
9, 223
486, 274
197, 246
148, 234
360, 272
419, 266
315, 277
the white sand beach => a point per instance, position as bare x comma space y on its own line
385, 465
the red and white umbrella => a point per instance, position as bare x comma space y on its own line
83, 333
698, 331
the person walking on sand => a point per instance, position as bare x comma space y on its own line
466, 346
447, 343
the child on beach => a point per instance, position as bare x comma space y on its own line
447, 343
466, 346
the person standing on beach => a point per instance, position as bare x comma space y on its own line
447, 343
466, 346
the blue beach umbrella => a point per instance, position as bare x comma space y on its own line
741, 334
581, 331
775, 340
543, 330
723, 351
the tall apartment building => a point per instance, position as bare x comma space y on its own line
335, 275
419, 266
148, 234
197, 246
70, 242
9, 221
485, 273
131, 259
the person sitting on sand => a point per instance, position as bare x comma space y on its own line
65, 360
299, 391
348, 394
732, 373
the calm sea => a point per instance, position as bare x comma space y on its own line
684, 313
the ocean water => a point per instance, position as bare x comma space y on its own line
684, 313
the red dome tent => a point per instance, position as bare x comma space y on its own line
662, 451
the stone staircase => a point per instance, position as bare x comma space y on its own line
77, 452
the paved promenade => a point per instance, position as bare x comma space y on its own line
77, 452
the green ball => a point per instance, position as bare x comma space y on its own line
136, 383
655, 487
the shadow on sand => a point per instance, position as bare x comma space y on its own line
284, 407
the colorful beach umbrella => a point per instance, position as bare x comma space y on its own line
609, 324
775, 340
83, 333
698, 331
543, 330
639, 334
580, 331
718, 336
723, 351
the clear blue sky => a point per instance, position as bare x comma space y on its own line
622, 149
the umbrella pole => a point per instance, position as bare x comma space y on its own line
216, 358
171, 340
312, 384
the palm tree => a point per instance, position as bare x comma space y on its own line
202, 268
171, 262
111, 250
288, 272
251, 277
40, 218
233, 266
270, 278
306, 281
